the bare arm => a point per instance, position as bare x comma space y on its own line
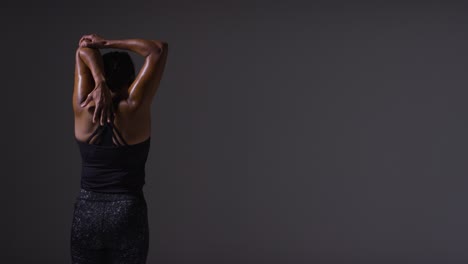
93, 60
161, 65
90, 84
143, 89
142, 47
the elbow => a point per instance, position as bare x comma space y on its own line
84, 51
152, 49
79, 51
165, 47
164, 44
157, 50
153, 57
160, 45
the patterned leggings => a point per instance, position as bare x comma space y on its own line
109, 228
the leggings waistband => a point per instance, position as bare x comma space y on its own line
109, 197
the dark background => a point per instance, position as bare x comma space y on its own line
283, 132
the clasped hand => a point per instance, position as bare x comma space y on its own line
92, 41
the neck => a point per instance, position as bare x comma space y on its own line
116, 94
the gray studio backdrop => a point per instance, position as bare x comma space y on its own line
285, 132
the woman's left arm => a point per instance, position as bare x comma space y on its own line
90, 84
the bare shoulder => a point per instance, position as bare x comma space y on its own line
135, 124
128, 110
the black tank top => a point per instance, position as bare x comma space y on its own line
111, 168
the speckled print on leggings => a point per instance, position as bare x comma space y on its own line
109, 228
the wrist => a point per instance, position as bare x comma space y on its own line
108, 43
100, 81
98, 76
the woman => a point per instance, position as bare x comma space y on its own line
112, 111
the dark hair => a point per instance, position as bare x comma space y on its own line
119, 69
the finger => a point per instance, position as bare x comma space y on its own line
84, 39
103, 116
88, 99
109, 112
90, 37
85, 43
96, 111
88, 44
94, 115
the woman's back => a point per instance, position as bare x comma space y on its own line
113, 169
131, 127
114, 154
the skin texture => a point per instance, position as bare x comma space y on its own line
130, 106
91, 62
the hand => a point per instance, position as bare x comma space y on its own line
103, 100
92, 41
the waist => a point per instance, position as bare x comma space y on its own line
112, 180
90, 195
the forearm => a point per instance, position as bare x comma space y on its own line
93, 60
142, 47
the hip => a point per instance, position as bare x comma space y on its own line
88, 195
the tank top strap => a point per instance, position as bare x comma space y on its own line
118, 133
106, 133
93, 134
